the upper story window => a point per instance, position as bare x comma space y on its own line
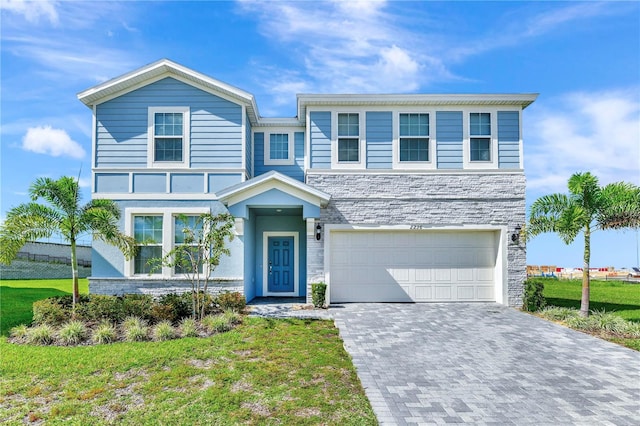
348, 138
480, 136
414, 137
168, 136
279, 148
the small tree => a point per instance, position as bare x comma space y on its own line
197, 253
63, 214
586, 208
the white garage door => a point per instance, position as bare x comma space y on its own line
412, 266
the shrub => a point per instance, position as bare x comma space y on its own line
135, 329
72, 333
556, 313
231, 301
632, 330
138, 305
318, 294
163, 331
533, 296
100, 307
43, 334
608, 322
104, 333
50, 311
188, 328
215, 324
582, 323
232, 317
175, 307
19, 332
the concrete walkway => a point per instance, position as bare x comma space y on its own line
481, 364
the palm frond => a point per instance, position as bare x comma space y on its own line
620, 206
26, 222
104, 225
63, 194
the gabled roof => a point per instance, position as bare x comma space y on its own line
166, 68
268, 181
522, 100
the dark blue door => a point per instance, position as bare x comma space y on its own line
280, 264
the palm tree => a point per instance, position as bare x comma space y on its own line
63, 215
586, 208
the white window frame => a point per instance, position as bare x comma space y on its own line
362, 154
414, 165
168, 230
267, 148
186, 144
493, 140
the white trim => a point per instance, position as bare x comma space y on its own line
500, 269
267, 146
412, 171
414, 165
238, 171
186, 130
153, 196
520, 143
94, 146
307, 143
265, 261
243, 132
493, 139
362, 142
167, 213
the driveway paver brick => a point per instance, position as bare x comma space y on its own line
483, 364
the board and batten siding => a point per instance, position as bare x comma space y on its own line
320, 132
216, 126
449, 136
248, 149
379, 134
508, 139
295, 170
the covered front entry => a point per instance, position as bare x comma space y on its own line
413, 266
275, 213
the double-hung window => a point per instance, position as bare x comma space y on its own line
414, 137
147, 231
168, 136
348, 138
480, 136
187, 232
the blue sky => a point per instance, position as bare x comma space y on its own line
582, 57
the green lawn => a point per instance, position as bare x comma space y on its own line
612, 296
17, 297
265, 371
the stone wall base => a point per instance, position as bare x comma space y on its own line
156, 287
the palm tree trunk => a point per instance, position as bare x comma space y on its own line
74, 274
584, 304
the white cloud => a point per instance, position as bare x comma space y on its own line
50, 141
346, 47
597, 132
32, 10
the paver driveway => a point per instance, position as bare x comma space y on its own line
486, 364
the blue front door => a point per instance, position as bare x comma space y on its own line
280, 264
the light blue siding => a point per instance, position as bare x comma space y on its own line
249, 241
379, 140
112, 182
508, 139
449, 139
248, 149
295, 170
184, 183
108, 261
218, 181
216, 132
149, 183
320, 139
274, 198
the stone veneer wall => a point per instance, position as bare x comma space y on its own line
155, 287
438, 198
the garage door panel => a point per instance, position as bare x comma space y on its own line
422, 266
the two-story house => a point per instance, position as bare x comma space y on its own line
386, 198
